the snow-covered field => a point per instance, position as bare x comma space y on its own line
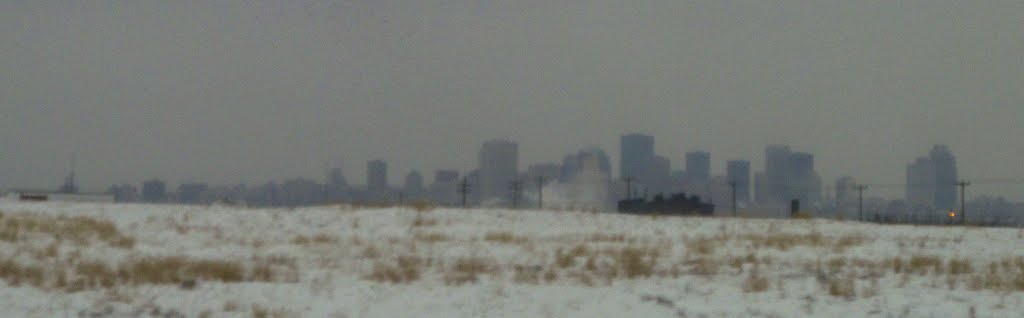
62, 259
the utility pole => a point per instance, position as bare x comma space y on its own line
963, 212
515, 186
732, 184
540, 192
463, 191
860, 201
401, 198
629, 181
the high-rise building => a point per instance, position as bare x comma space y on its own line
698, 172
572, 163
920, 191
698, 166
377, 176
443, 190
787, 176
945, 177
772, 184
499, 165
637, 151
413, 187
738, 171
803, 182
931, 181
337, 186
659, 176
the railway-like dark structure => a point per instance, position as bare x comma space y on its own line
677, 204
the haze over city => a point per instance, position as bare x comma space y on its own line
252, 91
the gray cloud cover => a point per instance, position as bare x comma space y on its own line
249, 91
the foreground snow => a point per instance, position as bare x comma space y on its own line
399, 262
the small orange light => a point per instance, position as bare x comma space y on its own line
952, 214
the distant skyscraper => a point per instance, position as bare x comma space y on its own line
803, 182
572, 163
776, 172
698, 166
443, 190
337, 186
738, 171
637, 151
413, 187
659, 174
945, 177
698, 172
377, 176
787, 176
499, 165
931, 181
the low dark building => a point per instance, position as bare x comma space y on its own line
678, 204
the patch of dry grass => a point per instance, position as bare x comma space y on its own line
320, 238
755, 282
173, 270
432, 237
79, 230
403, 269
421, 220
504, 238
468, 270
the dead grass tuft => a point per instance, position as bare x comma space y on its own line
755, 283
468, 270
420, 220
504, 238
79, 230
844, 287
431, 237
403, 269
636, 262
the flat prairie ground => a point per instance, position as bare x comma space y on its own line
115, 260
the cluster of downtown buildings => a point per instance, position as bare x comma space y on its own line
584, 180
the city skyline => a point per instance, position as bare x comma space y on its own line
381, 181
245, 92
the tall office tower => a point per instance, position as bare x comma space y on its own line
698, 172
698, 166
499, 165
945, 177
804, 184
775, 179
413, 188
920, 188
637, 152
443, 190
931, 181
738, 171
572, 163
337, 186
377, 176
659, 174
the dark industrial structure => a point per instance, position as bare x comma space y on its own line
677, 204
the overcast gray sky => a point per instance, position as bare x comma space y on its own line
251, 91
